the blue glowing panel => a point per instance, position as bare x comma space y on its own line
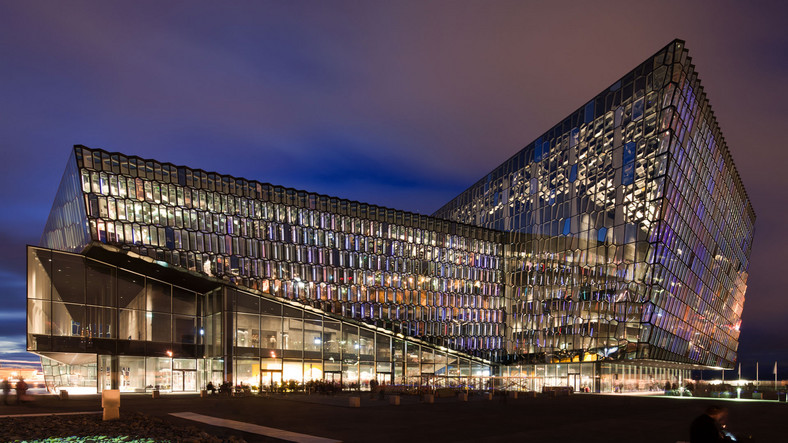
589, 112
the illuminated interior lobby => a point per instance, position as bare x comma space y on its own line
609, 255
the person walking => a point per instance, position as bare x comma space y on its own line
6, 390
21, 390
373, 386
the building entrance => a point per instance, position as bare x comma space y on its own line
428, 380
575, 382
270, 380
333, 377
384, 378
184, 380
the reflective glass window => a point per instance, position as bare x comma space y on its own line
68, 282
247, 330
158, 327
39, 263
100, 284
131, 290
159, 296
184, 329
39, 321
183, 301
100, 322
270, 332
67, 319
131, 324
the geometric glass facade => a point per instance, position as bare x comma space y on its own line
610, 254
423, 277
631, 228
170, 330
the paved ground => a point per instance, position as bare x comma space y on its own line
582, 417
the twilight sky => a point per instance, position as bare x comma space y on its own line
402, 104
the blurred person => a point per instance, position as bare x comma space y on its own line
21, 390
373, 387
710, 427
6, 390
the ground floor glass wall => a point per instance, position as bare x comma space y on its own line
280, 344
135, 374
145, 374
593, 377
145, 334
79, 375
636, 378
399, 363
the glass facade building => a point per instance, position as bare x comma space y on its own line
167, 329
171, 264
610, 254
630, 228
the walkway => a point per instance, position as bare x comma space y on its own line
592, 418
253, 429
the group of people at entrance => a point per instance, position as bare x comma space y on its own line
21, 390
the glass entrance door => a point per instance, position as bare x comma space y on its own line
216, 378
177, 381
574, 382
384, 378
427, 381
270, 380
184, 381
333, 377
190, 381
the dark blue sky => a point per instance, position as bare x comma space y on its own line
402, 104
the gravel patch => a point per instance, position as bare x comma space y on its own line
131, 427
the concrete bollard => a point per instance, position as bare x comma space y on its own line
429, 398
63, 394
110, 401
463, 396
155, 394
394, 400
488, 396
203, 393
355, 402
513, 394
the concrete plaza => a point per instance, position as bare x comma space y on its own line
579, 418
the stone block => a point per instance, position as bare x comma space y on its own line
110, 401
